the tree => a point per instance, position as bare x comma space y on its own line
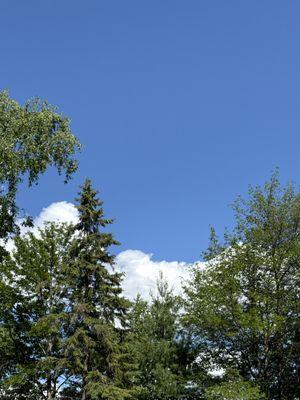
35, 321
156, 345
32, 138
234, 390
97, 311
245, 305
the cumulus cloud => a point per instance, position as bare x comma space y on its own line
61, 211
141, 273
140, 270
57, 212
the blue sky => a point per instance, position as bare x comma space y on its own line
179, 105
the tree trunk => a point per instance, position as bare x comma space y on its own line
49, 391
85, 371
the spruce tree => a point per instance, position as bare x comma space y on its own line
97, 311
156, 345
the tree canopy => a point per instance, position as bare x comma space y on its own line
68, 332
245, 305
33, 138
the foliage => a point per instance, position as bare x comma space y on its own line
96, 306
155, 344
34, 321
32, 138
234, 390
67, 332
245, 305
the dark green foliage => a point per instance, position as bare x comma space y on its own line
63, 312
156, 346
245, 305
35, 319
97, 309
32, 139
66, 331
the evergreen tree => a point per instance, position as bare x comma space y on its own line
157, 345
245, 305
97, 309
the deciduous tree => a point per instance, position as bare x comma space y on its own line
245, 305
35, 320
33, 137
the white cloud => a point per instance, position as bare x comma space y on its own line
57, 212
141, 271
61, 211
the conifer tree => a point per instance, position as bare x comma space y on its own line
97, 309
156, 345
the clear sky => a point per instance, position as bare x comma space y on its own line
179, 105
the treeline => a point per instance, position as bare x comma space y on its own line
67, 331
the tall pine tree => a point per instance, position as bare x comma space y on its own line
96, 308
